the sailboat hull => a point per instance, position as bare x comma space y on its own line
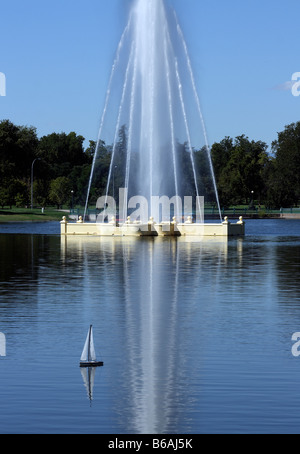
91, 364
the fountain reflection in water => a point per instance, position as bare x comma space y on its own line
154, 310
152, 115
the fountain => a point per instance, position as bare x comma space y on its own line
153, 119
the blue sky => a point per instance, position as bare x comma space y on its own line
57, 57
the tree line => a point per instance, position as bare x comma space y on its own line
58, 162
246, 171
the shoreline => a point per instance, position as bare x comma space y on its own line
35, 216
211, 217
56, 216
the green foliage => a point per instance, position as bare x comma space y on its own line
18, 193
60, 191
4, 197
285, 176
240, 170
101, 171
56, 155
245, 171
18, 146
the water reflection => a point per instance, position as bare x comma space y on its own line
195, 336
88, 375
288, 269
20, 269
154, 311
187, 314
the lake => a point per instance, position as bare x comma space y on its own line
196, 336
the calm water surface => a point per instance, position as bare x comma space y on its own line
195, 336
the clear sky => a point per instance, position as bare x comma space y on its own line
57, 57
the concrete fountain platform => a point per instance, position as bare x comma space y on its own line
138, 229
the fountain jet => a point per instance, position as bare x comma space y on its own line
152, 115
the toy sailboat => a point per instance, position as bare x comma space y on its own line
88, 357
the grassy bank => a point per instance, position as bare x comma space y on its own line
23, 215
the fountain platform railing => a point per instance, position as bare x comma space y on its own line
151, 228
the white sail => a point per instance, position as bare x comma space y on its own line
92, 347
85, 351
88, 353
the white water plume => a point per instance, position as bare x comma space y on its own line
152, 118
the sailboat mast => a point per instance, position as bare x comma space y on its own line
89, 349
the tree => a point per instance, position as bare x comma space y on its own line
284, 180
62, 152
120, 159
90, 151
220, 154
101, 170
62, 155
240, 169
60, 191
4, 197
18, 147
